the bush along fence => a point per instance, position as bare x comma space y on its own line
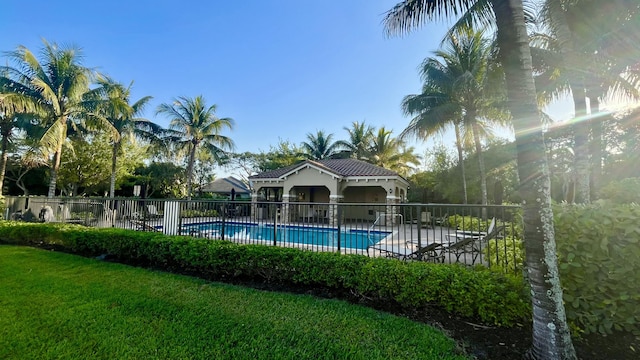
480, 294
465, 234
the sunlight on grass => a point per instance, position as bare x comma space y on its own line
55, 305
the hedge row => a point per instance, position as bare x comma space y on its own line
490, 297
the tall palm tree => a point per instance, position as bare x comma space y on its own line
392, 153
359, 142
434, 114
194, 125
551, 336
55, 85
579, 60
458, 91
320, 146
112, 101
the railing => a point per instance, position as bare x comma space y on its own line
374, 229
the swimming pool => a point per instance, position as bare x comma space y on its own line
318, 236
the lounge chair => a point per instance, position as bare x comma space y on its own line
143, 226
442, 220
470, 242
425, 253
152, 210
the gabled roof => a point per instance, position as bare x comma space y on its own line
225, 185
339, 167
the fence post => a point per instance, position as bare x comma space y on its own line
275, 224
419, 216
223, 210
339, 223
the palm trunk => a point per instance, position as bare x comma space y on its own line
53, 178
114, 159
461, 161
596, 145
3, 161
192, 157
581, 144
483, 174
551, 337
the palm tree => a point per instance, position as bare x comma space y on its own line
551, 336
194, 125
458, 91
392, 153
359, 142
320, 146
579, 60
55, 85
113, 103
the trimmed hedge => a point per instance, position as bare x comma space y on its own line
491, 297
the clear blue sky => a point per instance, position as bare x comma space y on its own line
280, 68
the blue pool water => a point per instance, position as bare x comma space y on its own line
318, 236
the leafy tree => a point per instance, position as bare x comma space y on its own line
54, 86
194, 125
160, 180
551, 337
319, 146
359, 141
282, 155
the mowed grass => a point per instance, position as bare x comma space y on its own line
56, 305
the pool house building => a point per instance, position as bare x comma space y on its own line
303, 191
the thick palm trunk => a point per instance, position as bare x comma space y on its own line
551, 338
483, 174
3, 161
461, 161
53, 174
114, 159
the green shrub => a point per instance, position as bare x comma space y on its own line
599, 259
491, 297
625, 191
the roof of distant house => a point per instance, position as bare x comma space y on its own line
225, 185
340, 167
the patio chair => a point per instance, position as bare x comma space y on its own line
152, 210
425, 253
441, 220
470, 242
143, 226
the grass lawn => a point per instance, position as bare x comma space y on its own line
55, 305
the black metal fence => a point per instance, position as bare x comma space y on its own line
466, 234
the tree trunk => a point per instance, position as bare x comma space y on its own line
54, 172
114, 159
483, 174
3, 161
192, 158
461, 162
581, 144
577, 84
596, 145
551, 338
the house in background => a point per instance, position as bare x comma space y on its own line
224, 187
330, 182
